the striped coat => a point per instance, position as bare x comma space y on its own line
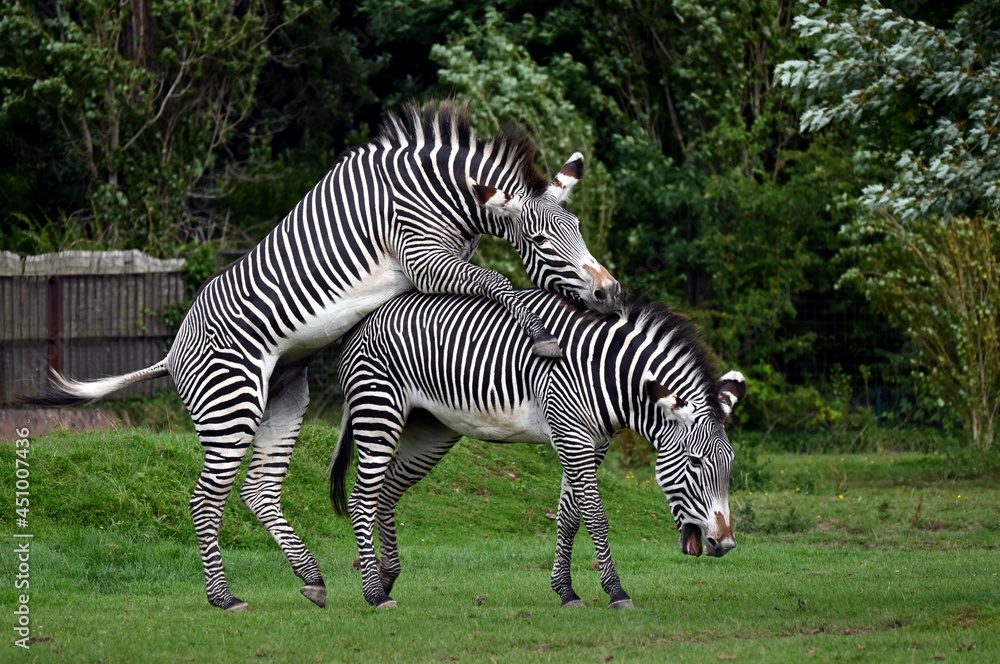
424, 370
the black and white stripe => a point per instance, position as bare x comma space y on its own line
424, 370
402, 212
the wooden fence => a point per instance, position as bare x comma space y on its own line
86, 315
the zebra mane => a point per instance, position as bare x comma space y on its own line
667, 326
416, 124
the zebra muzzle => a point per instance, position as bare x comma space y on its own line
691, 540
604, 290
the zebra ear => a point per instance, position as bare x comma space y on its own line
571, 173
671, 404
494, 199
732, 389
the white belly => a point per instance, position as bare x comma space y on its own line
524, 424
337, 317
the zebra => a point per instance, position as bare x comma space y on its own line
405, 211
424, 370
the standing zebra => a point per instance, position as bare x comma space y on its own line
424, 370
402, 212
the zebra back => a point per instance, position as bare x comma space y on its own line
468, 352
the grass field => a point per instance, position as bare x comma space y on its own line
840, 558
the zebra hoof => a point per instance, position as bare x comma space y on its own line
315, 594
547, 348
621, 605
239, 606
574, 604
387, 603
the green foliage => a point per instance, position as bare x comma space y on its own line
655, 230
918, 258
92, 72
965, 462
939, 281
30, 236
754, 246
633, 451
199, 265
748, 473
721, 209
261, 202
776, 403
316, 100
165, 126
504, 82
927, 96
138, 102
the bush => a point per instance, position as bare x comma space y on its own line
938, 280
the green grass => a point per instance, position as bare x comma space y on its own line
835, 564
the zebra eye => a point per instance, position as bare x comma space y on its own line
539, 239
695, 461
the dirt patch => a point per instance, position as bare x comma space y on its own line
43, 421
966, 619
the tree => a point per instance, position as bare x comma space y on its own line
939, 281
141, 102
928, 98
927, 101
504, 83
721, 207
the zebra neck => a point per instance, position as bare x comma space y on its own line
435, 180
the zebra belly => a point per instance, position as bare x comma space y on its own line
524, 423
343, 311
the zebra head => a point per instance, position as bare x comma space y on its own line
549, 241
694, 458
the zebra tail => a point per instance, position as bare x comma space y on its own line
342, 457
62, 391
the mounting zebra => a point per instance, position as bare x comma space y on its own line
424, 370
402, 212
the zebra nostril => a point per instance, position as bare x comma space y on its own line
599, 294
712, 542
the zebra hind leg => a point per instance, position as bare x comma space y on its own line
424, 441
272, 450
376, 424
226, 430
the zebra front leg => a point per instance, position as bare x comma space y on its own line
261, 492
424, 441
434, 270
578, 465
568, 524
545, 345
